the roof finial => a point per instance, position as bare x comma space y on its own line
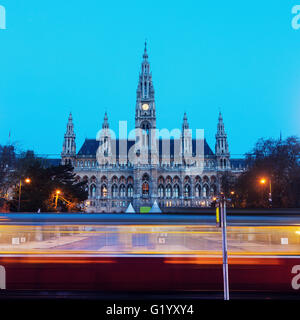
105, 124
185, 124
145, 56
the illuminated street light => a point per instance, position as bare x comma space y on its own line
264, 181
59, 196
56, 198
27, 180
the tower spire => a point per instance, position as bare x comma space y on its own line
145, 101
105, 124
185, 124
186, 140
221, 148
145, 55
69, 146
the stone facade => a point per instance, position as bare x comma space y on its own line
179, 177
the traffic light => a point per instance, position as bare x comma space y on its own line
218, 218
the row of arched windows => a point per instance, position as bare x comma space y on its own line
116, 191
187, 179
168, 187
174, 191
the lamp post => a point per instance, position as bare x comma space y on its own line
264, 181
221, 222
59, 196
56, 197
27, 180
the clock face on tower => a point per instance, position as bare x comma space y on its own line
145, 106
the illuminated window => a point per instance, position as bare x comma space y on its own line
168, 191
130, 191
176, 191
160, 191
122, 191
187, 190
145, 189
93, 191
197, 191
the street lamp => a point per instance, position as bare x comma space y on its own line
27, 180
222, 222
56, 197
264, 181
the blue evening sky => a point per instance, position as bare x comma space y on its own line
84, 56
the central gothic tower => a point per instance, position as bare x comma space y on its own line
145, 116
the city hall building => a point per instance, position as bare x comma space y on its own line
180, 171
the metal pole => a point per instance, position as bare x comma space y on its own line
270, 194
224, 249
56, 198
20, 190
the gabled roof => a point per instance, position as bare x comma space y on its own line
90, 147
238, 163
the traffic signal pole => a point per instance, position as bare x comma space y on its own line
224, 247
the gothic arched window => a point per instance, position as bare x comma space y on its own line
145, 189
198, 191
187, 191
176, 191
122, 191
104, 191
160, 191
130, 191
213, 190
168, 191
205, 191
114, 191
93, 191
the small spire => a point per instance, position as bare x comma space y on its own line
145, 55
105, 124
185, 124
220, 116
221, 129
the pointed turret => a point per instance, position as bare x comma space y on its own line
69, 146
221, 148
186, 140
105, 124
105, 152
145, 56
185, 124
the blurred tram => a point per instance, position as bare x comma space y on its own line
137, 253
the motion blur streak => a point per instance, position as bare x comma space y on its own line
142, 253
